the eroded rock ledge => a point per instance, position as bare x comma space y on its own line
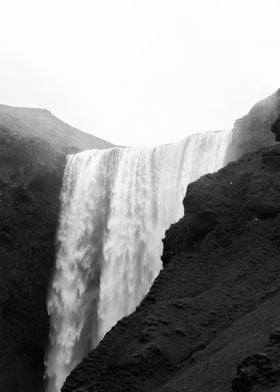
216, 299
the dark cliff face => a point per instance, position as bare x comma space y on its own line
216, 300
253, 131
33, 147
27, 248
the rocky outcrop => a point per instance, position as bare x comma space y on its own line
216, 299
33, 147
253, 131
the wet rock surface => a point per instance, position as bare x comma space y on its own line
216, 300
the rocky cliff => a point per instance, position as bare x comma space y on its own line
253, 131
205, 324
33, 147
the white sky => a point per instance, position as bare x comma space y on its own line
140, 71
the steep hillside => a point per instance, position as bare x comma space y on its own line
33, 147
215, 302
253, 131
34, 144
42, 124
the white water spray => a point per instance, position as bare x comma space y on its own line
116, 206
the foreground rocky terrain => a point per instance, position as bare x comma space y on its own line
216, 301
33, 147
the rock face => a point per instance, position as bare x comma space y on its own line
260, 371
253, 131
216, 300
33, 147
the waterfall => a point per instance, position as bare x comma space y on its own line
115, 207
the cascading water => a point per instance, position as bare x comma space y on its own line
116, 206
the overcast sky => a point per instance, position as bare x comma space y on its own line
140, 71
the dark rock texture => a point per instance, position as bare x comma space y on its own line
253, 131
276, 129
259, 372
217, 298
33, 147
27, 238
